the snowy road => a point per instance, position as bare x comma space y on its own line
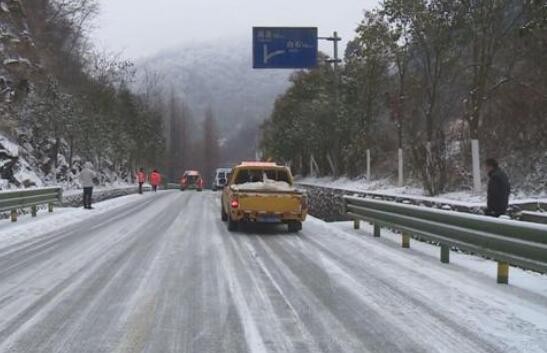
160, 273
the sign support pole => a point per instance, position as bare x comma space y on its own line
336, 60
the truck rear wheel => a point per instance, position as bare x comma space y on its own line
232, 225
295, 227
223, 214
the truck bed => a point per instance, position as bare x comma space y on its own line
269, 202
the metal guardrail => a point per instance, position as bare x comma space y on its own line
18, 199
529, 205
74, 198
407, 199
536, 217
173, 186
506, 241
516, 208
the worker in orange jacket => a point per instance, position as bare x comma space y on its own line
155, 180
141, 178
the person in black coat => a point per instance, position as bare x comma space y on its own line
498, 189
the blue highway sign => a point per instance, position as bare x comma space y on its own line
284, 47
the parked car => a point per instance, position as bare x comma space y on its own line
221, 178
261, 192
191, 180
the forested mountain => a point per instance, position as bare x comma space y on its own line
64, 104
429, 76
218, 77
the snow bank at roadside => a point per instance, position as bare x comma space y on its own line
97, 190
530, 280
28, 227
385, 186
74, 198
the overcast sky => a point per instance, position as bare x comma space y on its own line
138, 28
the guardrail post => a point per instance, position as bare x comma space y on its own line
445, 254
13, 215
503, 272
356, 224
475, 233
406, 240
377, 230
33, 210
50, 207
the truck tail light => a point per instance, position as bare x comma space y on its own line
235, 203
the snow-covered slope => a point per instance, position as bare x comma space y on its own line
14, 169
22, 166
220, 74
18, 57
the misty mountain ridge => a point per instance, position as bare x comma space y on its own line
219, 75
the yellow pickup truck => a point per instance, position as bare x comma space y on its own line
259, 192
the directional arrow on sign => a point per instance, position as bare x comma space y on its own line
268, 56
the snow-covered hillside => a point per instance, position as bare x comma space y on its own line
220, 75
23, 166
49, 123
18, 57
14, 168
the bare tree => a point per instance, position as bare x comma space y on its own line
487, 25
432, 27
210, 144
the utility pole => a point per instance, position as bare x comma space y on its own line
335, 61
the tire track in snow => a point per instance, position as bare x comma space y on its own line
70, 301
254, 340
166, 276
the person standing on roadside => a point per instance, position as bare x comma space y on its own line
86, 180
499, 189
141, 178
155, 180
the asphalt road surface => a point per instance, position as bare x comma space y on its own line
162, 274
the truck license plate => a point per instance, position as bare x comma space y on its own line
268, 219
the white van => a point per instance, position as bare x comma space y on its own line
221, 178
